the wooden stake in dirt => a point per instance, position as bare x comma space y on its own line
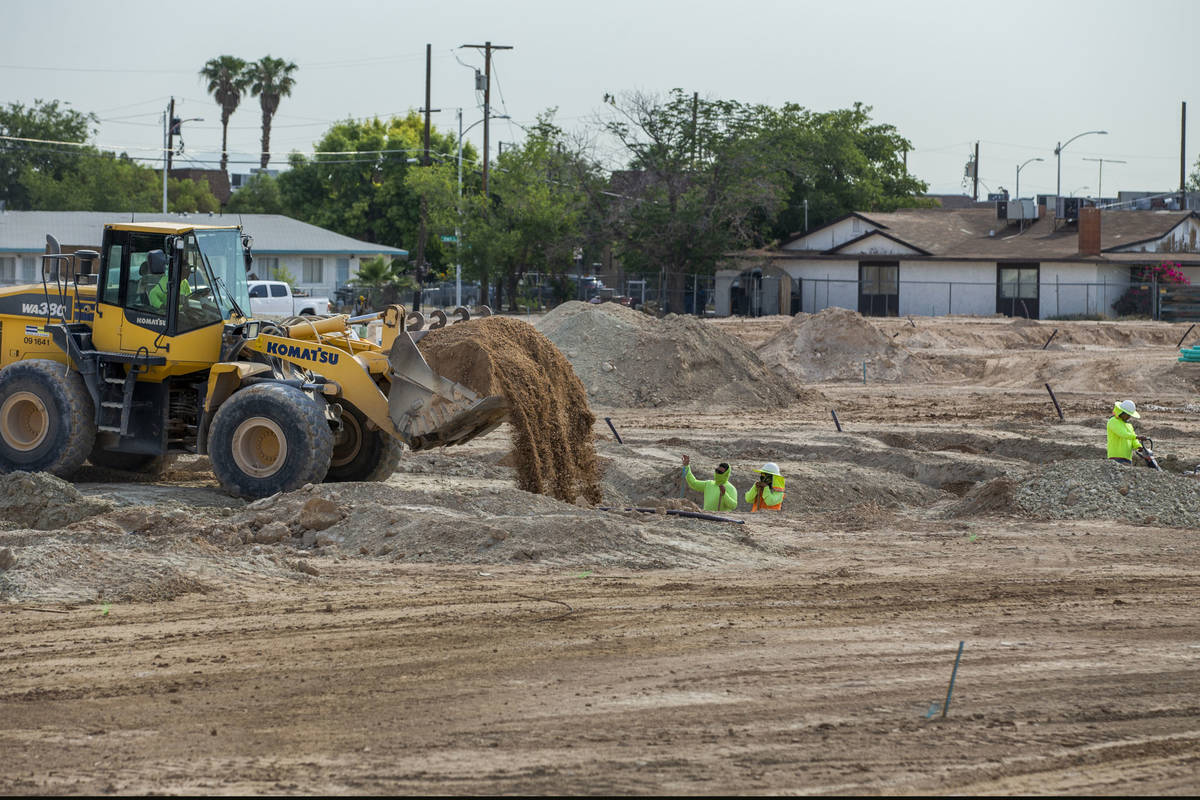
1185, 335
1054, 399
950, 688
835, 420
1052, 335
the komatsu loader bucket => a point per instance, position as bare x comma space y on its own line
431, 411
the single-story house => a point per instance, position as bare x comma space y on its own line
321, 260
979, 261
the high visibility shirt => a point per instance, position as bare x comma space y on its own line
158, 292
714, 499
771, 498
1121, 439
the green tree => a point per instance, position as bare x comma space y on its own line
698, 184
839, 161
530, 220
104, 181
227, 80
269, 79
365, 196
259, 195
381, 281
48, 121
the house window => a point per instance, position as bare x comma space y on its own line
313, 270
265, 267
8, 270
343, 272
29, 269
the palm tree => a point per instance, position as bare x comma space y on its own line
227, 79
270, 79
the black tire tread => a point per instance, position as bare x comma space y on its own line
78, 409
291, 404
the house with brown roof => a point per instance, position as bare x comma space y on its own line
973, 261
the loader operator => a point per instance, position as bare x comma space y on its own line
719, 493
767, 492
160, 291
1121, 439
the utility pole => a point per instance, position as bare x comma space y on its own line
975, 191
1182, 156
487, 48
174, 129
422, 232
170, 112
695, 133
1100, 177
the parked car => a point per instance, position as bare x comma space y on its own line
276, 299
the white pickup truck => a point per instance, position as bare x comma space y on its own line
275, 299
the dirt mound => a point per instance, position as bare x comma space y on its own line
996, 496
832, 346
1102, 489
40, 500
474, 525
628, 359
548, 409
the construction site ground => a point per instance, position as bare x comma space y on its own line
446, 633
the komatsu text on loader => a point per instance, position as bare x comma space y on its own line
146, 348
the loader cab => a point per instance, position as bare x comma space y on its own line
161, 282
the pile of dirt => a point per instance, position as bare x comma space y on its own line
548, 409
1102, 489
989, 498
628, 359
40, 500
833, 345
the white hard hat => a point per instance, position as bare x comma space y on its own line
770, 468
1127, 406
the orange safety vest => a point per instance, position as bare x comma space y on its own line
759, 503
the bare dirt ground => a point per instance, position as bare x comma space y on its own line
446, 633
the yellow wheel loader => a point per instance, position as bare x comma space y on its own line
146, 348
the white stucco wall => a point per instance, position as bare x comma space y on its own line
947, 287
832, 236
294, 263
824, 283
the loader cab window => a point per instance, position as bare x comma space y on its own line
112, 277
197, 306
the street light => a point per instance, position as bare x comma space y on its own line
1077, 188
1058, 154
1100, 178
1019, 168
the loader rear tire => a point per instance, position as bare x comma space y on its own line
47, 420
360, 454
269, 438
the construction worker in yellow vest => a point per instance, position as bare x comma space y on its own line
719, 493
768, 491
1122, 440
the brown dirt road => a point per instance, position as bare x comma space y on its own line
803, 655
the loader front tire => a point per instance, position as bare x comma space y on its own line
361, 454
47, 420
269, 438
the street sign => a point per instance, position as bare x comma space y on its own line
450, 239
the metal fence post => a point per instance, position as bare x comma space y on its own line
949, 298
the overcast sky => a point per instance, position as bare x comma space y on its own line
1016, 75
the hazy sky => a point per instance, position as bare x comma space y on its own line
1018, 76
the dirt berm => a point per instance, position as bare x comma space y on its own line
628, 359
